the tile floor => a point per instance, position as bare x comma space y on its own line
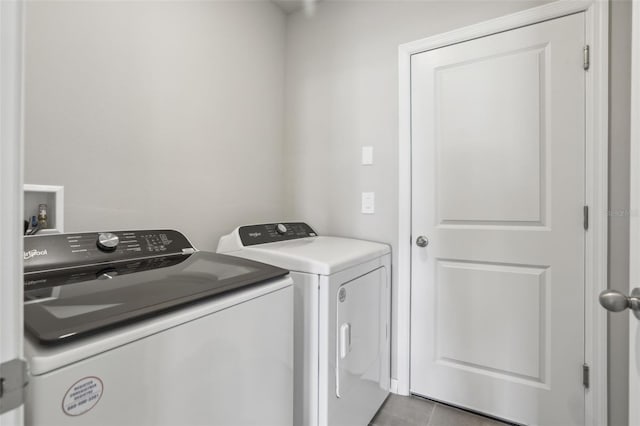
414, 411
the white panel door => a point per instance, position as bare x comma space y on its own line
498, 154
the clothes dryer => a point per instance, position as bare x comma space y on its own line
341, 318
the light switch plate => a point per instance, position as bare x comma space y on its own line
367, 155
368, 203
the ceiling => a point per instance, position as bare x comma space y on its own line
290, 6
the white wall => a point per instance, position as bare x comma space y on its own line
157, 113
342, 93
619, 139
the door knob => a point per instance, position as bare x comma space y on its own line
422, 241
614, 301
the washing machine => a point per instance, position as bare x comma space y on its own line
140, 328
341, 318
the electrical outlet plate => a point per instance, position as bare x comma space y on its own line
368, 203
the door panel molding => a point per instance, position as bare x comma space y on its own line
480, 346
596, 113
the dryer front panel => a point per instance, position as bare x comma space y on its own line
359, 364
361, 328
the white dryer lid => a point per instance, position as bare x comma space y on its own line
315, 255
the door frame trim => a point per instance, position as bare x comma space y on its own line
596, 183
11, 176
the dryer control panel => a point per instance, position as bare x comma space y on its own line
273, 232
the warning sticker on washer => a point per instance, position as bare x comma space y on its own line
82, 396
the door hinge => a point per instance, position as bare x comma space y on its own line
585, 220
586, 57
13, 381
585, 375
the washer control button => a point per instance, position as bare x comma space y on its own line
107, 241
281, 229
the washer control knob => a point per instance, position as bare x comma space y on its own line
281, 229
107, 241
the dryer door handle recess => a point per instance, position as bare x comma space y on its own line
345, 340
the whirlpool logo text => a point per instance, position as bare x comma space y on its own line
33, 253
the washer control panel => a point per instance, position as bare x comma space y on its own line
273, 232
55, 251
